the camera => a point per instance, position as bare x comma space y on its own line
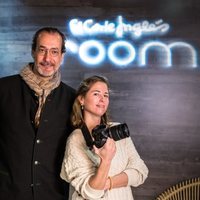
100, 133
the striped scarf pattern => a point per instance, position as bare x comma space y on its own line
42, 87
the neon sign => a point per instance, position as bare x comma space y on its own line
123, 53
89, 27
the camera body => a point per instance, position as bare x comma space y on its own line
100, 133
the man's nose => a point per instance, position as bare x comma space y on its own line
47, 55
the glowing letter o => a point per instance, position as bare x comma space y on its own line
127, 59
86, 57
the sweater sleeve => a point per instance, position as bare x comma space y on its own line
77, 167
136, 169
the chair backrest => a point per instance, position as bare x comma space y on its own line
185, 190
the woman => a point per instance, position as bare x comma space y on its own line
105, 173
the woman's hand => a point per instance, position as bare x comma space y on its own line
100, 179
107, 152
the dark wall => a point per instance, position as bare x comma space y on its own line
160, 105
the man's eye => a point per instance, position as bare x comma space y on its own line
54, 52
41, 50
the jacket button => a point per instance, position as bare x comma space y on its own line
36, 162
36, 184
38, 141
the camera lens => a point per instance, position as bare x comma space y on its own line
119, 132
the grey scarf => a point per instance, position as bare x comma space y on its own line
41, 87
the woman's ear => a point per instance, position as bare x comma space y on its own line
81, 100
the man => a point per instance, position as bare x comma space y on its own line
35, 109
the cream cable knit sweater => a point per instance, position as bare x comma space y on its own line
80, 163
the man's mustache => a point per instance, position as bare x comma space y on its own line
46, 63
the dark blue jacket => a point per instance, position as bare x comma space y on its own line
30, 159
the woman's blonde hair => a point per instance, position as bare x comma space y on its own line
77, 110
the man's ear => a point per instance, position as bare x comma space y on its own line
62, 58
33, 54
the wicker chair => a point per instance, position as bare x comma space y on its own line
185, 190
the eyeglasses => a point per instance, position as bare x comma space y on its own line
53, 51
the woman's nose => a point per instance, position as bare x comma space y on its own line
101, 98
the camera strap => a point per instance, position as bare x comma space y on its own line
87, 136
